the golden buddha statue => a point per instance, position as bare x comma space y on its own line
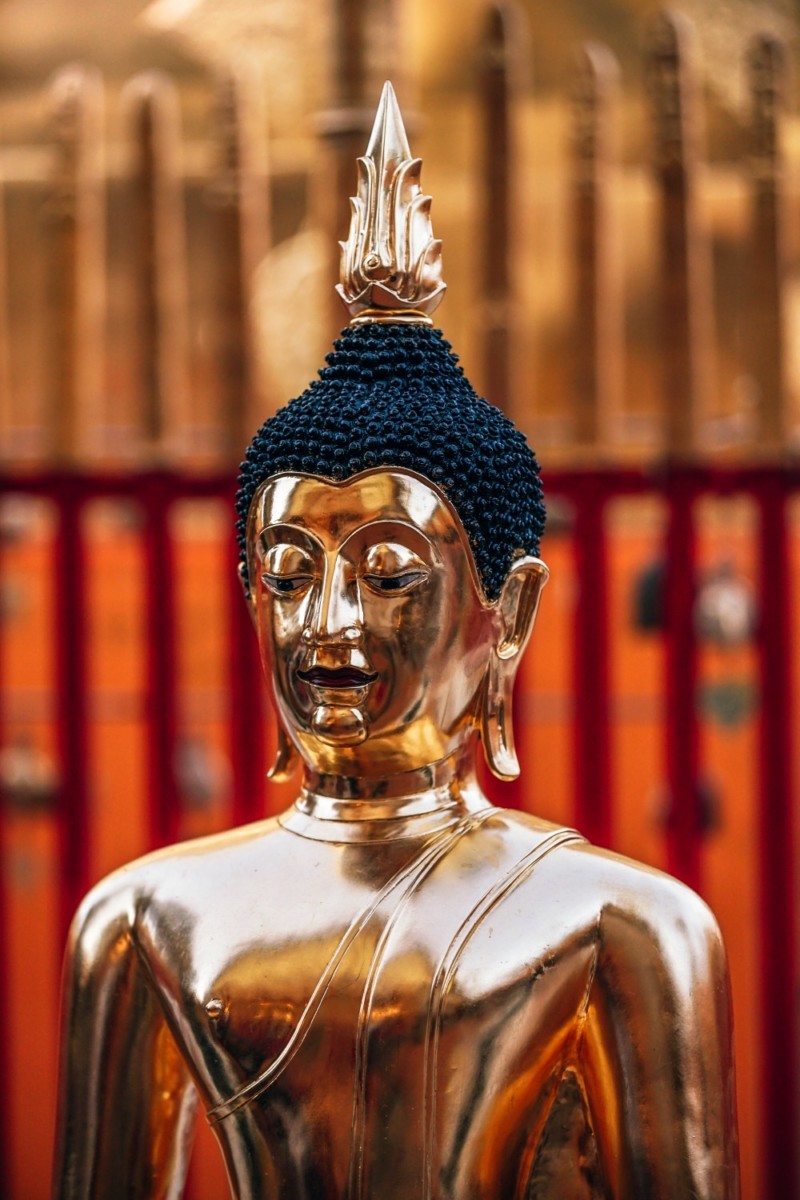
395, 989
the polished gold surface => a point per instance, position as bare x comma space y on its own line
394, 989
366, 598
391, 263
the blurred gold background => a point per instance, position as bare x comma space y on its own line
231, 348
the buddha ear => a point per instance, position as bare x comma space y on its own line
286, 754
517, 606
241, 571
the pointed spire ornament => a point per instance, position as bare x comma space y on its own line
391, 264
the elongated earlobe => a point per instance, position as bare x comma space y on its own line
518, 604
241, 571
497, 729
286, 759
286, 756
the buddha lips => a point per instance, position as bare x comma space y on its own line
339, 677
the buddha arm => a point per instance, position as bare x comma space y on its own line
657, 1050
126, 1104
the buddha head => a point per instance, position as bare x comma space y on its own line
389, 519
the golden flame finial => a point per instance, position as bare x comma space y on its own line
391, 265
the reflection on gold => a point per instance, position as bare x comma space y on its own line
391, 267
394, 989
371, 583
398, 1016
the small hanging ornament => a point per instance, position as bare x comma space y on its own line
725, 609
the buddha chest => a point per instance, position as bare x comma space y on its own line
404, 1033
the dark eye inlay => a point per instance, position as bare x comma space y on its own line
395, 583
285, 585
392, 568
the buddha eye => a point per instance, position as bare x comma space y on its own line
395, 584
285, 585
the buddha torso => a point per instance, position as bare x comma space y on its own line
386, 1009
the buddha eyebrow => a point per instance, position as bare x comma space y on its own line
387, 532
289, 535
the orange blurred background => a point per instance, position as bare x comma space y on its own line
257, 181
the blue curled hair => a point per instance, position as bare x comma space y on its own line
395, 396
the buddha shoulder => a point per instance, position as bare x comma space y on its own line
176, 876
642, 915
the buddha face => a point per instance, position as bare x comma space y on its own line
372, 624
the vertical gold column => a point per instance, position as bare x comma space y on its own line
75, 255
597, 304
240, 197
501, 44
766, 328
158, 263
7, 414
684, 268
365, 42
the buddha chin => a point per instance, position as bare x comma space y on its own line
339, 725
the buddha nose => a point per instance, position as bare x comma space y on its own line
337, 618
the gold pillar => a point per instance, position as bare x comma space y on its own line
766, 327
684, 269
597, 303
240, 195
366, 38
75, 231
503, 36
159, 263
